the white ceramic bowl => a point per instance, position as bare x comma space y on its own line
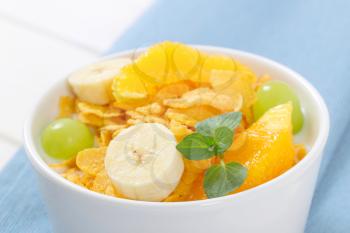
280, 205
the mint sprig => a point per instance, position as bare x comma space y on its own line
229, 120
223, 138
212, 138
220, 180
197, 147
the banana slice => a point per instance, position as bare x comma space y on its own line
143, 163
93, 83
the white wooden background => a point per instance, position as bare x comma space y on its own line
41, 40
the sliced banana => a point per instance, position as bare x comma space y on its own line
143, 163
93, 83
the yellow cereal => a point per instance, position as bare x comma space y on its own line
87, 180
136, 117
179, 130
91, 161
91, 119
98, 110
171, 91
105, 137
110, 191
92, 109
123, 106
236, 85
174, 114
108, 132
200, 112
205, 96
63, 166
132, 121
155, 119
74, 175
97, 115
114, 127
102, 184
66, 106
115, 133
114, 120
113, 112
151, 109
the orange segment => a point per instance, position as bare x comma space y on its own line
197, 192
268, 150
129, 87
162, 64
169, 62
186, 62
215, 62
222, 63
153, 64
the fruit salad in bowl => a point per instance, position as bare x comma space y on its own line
175, 128
175, 124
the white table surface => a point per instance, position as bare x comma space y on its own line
41, 40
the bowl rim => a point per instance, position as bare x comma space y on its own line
315, 151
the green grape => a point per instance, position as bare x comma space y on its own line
64, 138
273, 93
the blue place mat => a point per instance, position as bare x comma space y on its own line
21, 207
312, 37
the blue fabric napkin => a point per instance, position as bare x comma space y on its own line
310, 36
21, 207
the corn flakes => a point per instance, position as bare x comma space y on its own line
66, 106
174, 114
91, 161
179, 130
234, 84
151, 109
172, 91
205, 96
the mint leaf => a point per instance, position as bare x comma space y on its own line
229, 120
197, 147
220, 180
223, 138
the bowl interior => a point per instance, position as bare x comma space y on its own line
315, 112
